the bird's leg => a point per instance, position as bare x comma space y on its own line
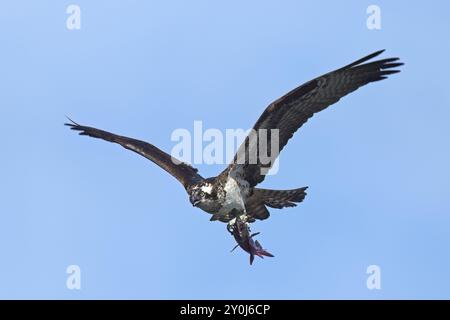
240, 230
230, 225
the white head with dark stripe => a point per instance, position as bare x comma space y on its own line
203, 195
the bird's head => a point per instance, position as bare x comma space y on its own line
202, 194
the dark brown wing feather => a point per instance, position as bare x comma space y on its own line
257, 202
183, 172
292, 110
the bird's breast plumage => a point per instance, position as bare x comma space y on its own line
234, 196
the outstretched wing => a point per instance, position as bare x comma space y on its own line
291, 111
183, 172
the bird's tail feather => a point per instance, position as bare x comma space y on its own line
280, 198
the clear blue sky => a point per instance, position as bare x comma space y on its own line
377, 163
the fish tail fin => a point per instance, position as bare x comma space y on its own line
262, 252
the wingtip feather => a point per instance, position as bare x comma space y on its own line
364, 59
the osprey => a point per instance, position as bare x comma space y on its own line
232, 196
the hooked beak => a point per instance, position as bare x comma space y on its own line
194, 200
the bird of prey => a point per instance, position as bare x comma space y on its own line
232, 196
